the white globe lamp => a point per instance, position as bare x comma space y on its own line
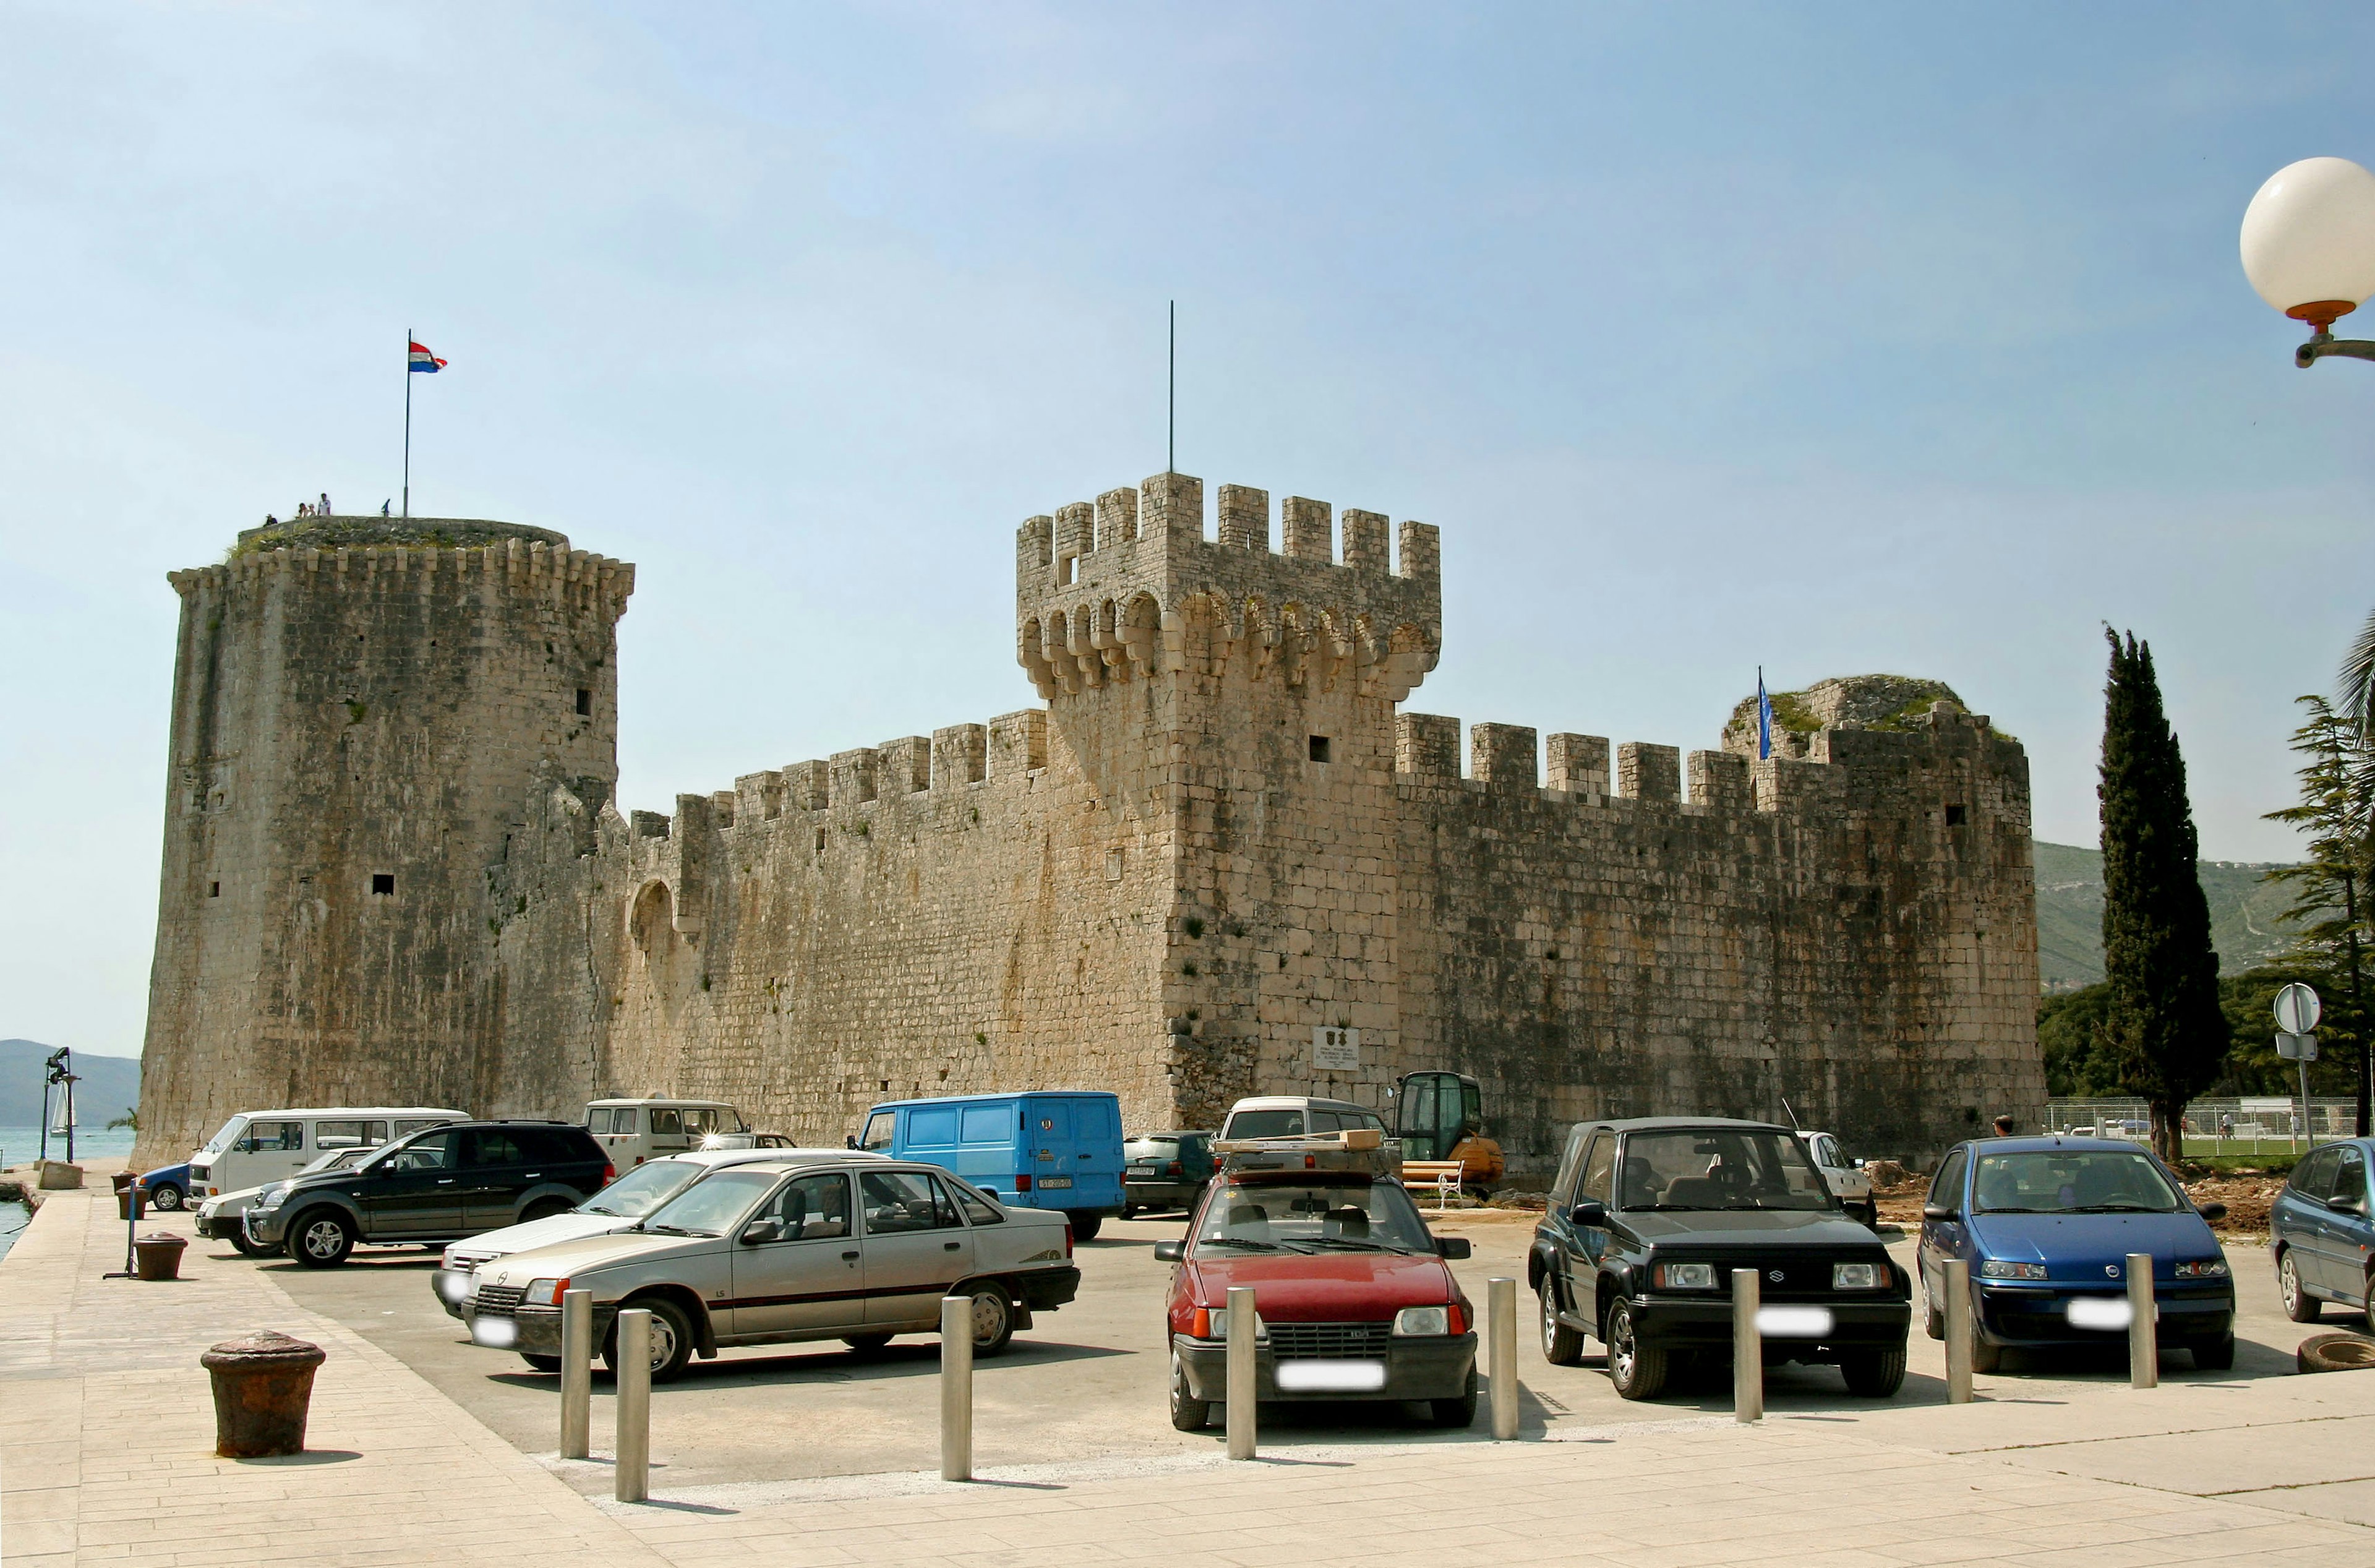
2309, 241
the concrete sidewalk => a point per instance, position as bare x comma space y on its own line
108, 1431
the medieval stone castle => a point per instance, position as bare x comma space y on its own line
1220, 860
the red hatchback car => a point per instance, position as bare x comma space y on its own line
1352, 1299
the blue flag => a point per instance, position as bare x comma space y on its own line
1763, 718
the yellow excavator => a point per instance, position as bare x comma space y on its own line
1439, 1118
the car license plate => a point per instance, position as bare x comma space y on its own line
1050, 1182
1330, 1378
495, 1333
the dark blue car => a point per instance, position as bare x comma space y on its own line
168, 1186
2320, 1234
2047, 1224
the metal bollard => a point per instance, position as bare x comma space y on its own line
1747, 1348
635, 1447
1501, 1305
1242, 1371
2143, 1333
956, 1388
1959, 1330
576, 1374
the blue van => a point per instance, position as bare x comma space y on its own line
1053, 1149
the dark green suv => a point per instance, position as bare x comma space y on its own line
435, 1186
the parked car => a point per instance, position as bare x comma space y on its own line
223, 1217
1166, 1170
1648, 1218
256, 1147
786, 1249
168, 1187
2046, 1225
461, 1179
1299, 1115
1843, 1174
748, 1140
632, 1131
1352, 1297
2320, 1235
621, 1206
1054, 1149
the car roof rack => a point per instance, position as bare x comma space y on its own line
1349, 1148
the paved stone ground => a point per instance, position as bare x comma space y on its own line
106, 1436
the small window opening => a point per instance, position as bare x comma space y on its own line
1955, 816
1063, 570
383, 881
214, 889
585, 702
819, 842
1319, 748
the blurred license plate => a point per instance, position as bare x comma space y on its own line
1332, 1377
1047, 1182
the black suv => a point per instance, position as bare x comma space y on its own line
438, 1185
1648, 1219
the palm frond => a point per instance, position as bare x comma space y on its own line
2357, 690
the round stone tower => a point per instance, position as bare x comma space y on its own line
363, 709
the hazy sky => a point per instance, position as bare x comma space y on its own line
1833, 339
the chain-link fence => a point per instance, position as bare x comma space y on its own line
2269, 1125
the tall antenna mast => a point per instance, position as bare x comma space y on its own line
1171, 408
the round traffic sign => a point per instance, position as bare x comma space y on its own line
2296, 1008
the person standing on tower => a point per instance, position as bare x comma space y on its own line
325, 504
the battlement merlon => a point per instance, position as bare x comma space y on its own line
1108, 592
373, 554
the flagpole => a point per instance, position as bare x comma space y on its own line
407, 422
1170, 406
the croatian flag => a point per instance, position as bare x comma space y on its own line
423, 361
1763, 718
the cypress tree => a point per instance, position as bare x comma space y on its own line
2164, 1028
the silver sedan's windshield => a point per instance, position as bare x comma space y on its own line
2072, 1181
642, 1190
711, 1207
1362, 1216
1719, 1168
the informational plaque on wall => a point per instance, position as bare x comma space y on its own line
1335, 1050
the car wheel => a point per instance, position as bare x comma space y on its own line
1187, 1412
1562, 1346
993, 1319
2300, 1306
672, 1339
165, 1197
1933, 1318
1129, 1211
1637, 1370
246, 1248
541, 1363
1874, 1374
1459, 1412
1086, 1226
1986, 1356
322, 1239
2213, 1355
866, 1344
2334, 1352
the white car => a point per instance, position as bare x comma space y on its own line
619, 1207
219, 1217
1846, 1180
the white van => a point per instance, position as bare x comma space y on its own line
256, 1147
632, 1131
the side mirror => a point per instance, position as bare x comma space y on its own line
2217, 1210
1590, 1212
1170, 1252
1451, 1246
1937, 1211
849, 1141
759, 1230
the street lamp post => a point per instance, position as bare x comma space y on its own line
2308, 248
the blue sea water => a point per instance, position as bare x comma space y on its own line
96, 1149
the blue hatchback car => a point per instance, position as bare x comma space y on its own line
2047, 1224
2319, 1232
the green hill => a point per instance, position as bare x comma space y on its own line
2247, 914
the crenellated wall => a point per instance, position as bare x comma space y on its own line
1219, 837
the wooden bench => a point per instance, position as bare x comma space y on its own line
1443, 1175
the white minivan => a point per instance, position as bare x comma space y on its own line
256, 1147
632, 1131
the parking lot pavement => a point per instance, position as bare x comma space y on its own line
1086, 1385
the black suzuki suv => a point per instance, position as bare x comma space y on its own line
439, 1185
1648, 1219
